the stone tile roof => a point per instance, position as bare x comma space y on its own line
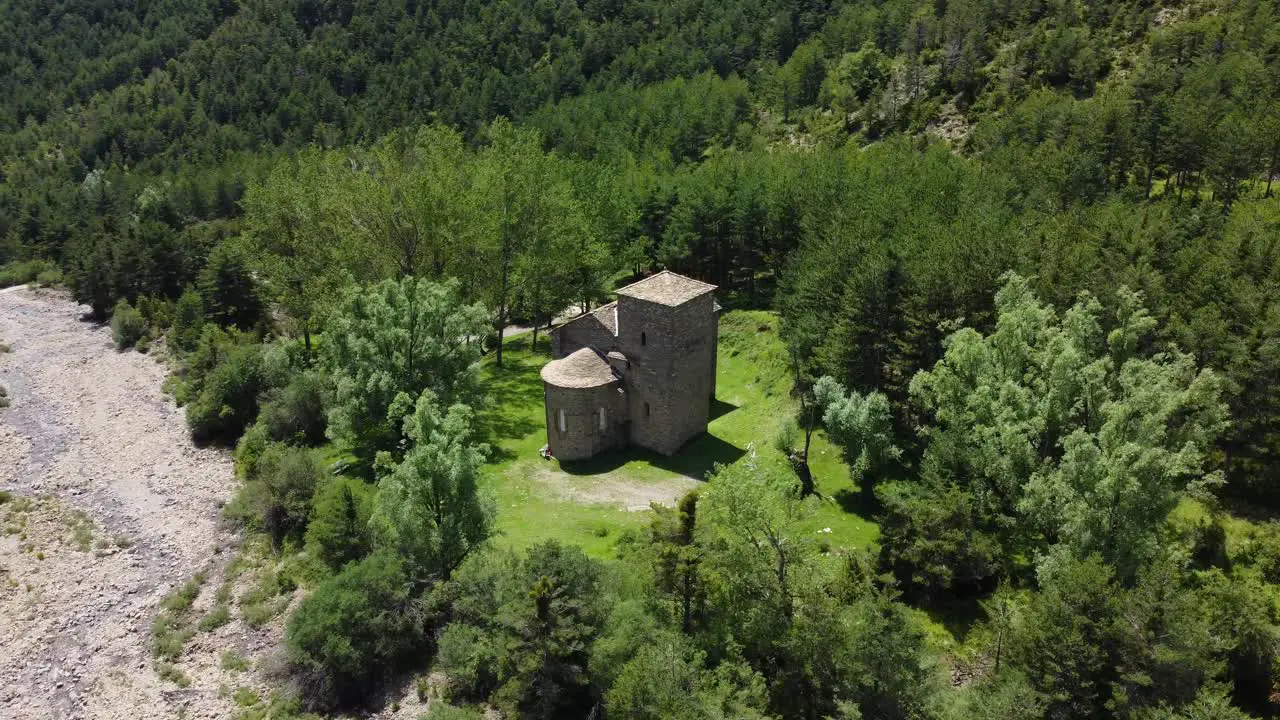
667, 288
606, 315
582, 369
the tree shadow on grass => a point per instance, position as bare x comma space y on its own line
514, 405
856, 502
960, 613
695, 460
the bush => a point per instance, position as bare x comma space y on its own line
188, 321
522, 627
49, 278
276, 495
295, 414
440, 711
127, 325
469, 656
22, 272
354, 628
249, 450
290, 478
217, 617
227, 398
157, 311
339, 528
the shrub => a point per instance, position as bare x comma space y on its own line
250, 448
21, 272
169, 671
188, 321
296, 413
354, 628
468, 655
168, 635
157, 311
217, 617
440, 711
227, 401
127, 325
182, 598
245, 509
290, 478
339, 528
522, 627
49, 278
233, 661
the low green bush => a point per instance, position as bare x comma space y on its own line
295, 414
21, 272
250, 448
227, 398
49, 278
157, 311
276, 494
127, 325
440, 711
217, 617
233, 661
355, 628
471, 658
290, 477
339, 529
188, 321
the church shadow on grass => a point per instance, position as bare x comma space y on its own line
697, 458
719, 409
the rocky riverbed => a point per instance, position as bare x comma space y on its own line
110, 507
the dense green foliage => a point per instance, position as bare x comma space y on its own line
354, 627
1024, 257
388, 344
339, 529
430, 508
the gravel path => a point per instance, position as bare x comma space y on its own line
91, 434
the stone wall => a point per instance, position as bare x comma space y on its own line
595, 329
582, 436
672, 374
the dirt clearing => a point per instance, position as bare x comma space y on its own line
615, 488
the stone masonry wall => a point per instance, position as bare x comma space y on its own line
585, 331
672, 354
582, 436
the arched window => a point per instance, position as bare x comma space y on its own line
602, 420
642, 338
646, 410
561, 419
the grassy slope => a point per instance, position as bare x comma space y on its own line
536, 498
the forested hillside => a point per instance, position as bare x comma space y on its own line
1024, 259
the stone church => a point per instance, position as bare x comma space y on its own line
638, 371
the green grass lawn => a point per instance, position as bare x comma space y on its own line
586, 503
